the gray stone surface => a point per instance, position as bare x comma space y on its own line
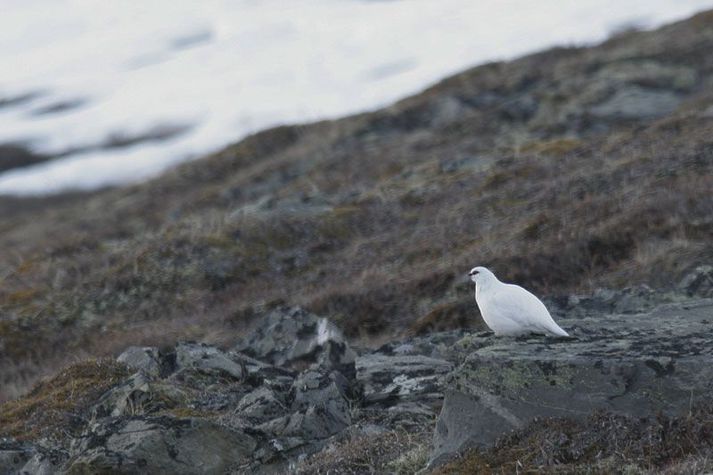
161, 446
319, 408
261, 405
393, 378
635, 102
142, 358
207, 359
699, 282
29, 458
14, 455
636, 364
293, 337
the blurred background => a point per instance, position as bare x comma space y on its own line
95, 93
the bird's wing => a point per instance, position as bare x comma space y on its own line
517, 304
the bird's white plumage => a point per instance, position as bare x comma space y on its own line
509, 309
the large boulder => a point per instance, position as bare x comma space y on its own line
160, 445
636, 364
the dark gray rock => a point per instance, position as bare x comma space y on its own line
699, 282
389, 379
146, 359
637, 299
261, 405
320, 407
294, 337
304, 427
14, 455
18, 155
207, 359
635, 102
160, 445
330, 390
26, 458
631, 364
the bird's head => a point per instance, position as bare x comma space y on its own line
481, 275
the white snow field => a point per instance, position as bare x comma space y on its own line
79, 74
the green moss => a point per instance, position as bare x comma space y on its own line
511, 376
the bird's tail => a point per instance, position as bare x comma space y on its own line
556, 330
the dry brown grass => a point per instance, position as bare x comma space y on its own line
396, 452
604, 443
58, 406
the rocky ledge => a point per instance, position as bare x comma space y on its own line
295, 396
637, 365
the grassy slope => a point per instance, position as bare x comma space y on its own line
373, 219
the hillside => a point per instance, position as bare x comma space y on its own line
565, 171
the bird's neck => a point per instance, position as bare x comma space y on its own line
488, 284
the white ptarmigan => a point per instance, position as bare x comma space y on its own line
509, 309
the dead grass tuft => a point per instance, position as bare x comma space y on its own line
604, 443
396, 452
59, 405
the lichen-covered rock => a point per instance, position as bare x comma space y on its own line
632, 364
294, 337
389, 379
160, 445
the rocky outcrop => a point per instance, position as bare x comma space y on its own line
636, 364
291, 337
294, 389
285, 391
